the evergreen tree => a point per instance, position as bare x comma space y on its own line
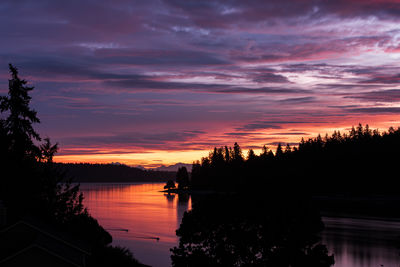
279, 151
3, 142
170, 185
237, 153
182, 178
227, 154
31, 184
48, 150
251, 156
288, 149
18, 125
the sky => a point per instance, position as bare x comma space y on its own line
159, 82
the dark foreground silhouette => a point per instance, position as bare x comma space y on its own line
360, 162
343, 175
251, 230
41, 213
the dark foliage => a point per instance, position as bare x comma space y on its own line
31, 185
86, 172
182, 178
170, 185
340, 163
18, 124
248, 230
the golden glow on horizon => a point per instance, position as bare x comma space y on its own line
156, 158
150, 159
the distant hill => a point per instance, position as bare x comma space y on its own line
174, 167
108, 173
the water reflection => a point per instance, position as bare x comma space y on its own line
170, 198
251, 230
182, 207
362, 242
144, 211
147, 213
184, 200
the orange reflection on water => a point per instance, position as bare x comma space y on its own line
144, 211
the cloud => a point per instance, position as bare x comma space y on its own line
289, 133
385, 79
136, 74
263, 90
268, 77
277, 124
130, 142
283, 144
169, 57
259, 125
387, 96
210, 14
241, 134
376, 110
298, 100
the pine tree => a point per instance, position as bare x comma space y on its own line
18, 124
48, 150
279, 151
182, 178
237, 153
30, 182
288, 149
251, 156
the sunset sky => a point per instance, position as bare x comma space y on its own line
159, 82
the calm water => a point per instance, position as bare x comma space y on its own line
148, 214
144, 211
363, 242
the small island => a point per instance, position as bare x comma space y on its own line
182, 179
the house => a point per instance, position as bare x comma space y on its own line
30, 244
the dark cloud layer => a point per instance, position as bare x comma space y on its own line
376, 110
379, 96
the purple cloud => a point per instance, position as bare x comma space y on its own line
188, 75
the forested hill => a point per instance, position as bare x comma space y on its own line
108, 173
359, 162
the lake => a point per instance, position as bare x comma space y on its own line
151, 218
146, 212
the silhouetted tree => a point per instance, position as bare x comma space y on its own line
4, 142
264, 152
288, 149
48, 150
182, 178
170, 185
30, 178
279, 151
232, 231
340, 158
30, 183
19, 153
227, 154
251, 156
18, 124
237, 153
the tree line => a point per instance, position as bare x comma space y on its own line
88, 172
362, 160
264, 210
